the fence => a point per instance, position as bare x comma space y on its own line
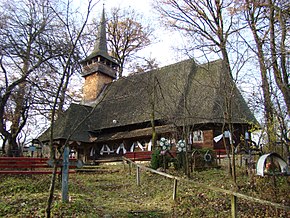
33, 165
233, 195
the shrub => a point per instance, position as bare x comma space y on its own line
156, 159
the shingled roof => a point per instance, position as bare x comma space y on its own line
65, 125
182, 93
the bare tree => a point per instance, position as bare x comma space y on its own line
209, 24
126, 36
29, 79
145, 65
279, 20
73, 37
268, 24
25, 37
38, 39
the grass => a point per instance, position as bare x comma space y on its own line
112, 192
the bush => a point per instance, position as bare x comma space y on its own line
156, 159
179, 161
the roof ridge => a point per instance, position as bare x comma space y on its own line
174, 64
161, 69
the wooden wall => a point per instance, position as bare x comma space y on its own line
207, 140
94, 83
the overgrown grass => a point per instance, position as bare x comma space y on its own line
112, 192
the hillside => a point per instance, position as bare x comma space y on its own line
112, 192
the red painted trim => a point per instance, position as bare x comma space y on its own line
17, 172
28, 163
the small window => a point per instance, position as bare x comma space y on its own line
197, 136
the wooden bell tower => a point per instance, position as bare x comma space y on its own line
98, 68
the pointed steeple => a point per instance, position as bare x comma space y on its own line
99, 68
101, 42
100, 52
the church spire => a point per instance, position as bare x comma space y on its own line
101, 42
99, 68
100, 53
100, 47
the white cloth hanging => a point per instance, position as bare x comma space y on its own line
218, 138
92, 153
228, 134
132, 147
140, 146
150, 146
121, 147
106, 149
135, 144
190, 139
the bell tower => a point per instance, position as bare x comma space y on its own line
98, 68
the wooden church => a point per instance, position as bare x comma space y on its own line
116, 115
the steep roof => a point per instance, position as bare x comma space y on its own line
182, 92
70, 125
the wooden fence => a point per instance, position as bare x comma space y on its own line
233, 195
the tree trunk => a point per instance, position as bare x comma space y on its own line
4, 146
52, 187
233, 159
62, 94
13, 148
281, 77
153, 96
154, 134
268, 108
